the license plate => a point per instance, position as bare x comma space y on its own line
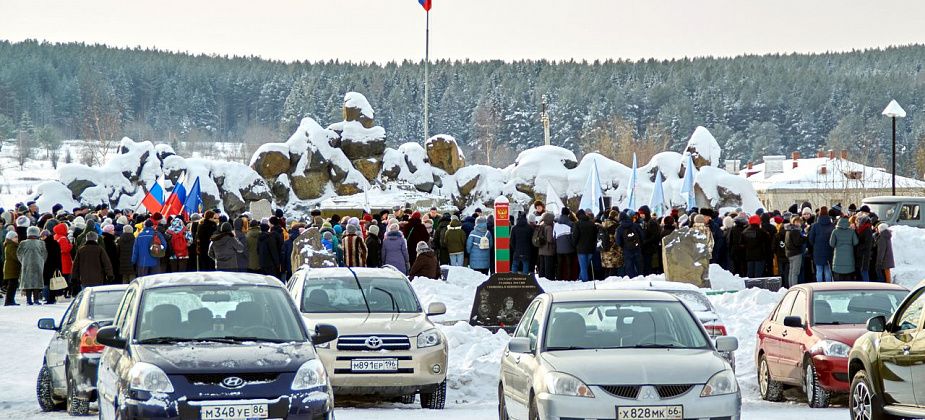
375, 365
234, 412
651, 412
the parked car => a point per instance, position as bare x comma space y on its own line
898, 210
695, 299
211, 346
615, 354
387, 345
887, 365
68, 375
804, 341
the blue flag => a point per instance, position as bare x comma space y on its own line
687, 184
631, 204
193, 201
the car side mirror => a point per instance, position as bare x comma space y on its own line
793, 321
877, 324
109, 336
47, 324
727, 344
324, 333
519, 345
436, 308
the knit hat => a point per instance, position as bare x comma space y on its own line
22, 221
728, 223
226, 227
393, 227
33, 232
353, 221
109, 229
807, 211
422, 247
454, 217
157, 216
328, 235
11, 235
351, 228
92, 236
128, 229
195, 217
864, 209
883, 227
149, 223
754, 220
373, 230
699, 219
778, 220
122, 220
79, 222
264, 227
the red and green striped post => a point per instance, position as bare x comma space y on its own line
502, 235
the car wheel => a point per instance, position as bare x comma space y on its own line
76, 406
44, 390
816, 396
435, 400
770, 389
407, 399
864, 403
502, 407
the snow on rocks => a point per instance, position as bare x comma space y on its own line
703, 148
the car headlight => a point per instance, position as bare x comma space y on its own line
721, 383
310, 375
150, 378
831, 348
558, 383
429, 338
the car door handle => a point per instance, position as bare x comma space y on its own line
784, 333
517, 359
768, 329
906, 350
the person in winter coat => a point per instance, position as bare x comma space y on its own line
92, 266
843, 240
468, 224
780, 251
629, 238
736, 246
547, 252
179, 245
863, 252
756, 243
651, 237
31, 254
268, 248
207, 228
395, 249
884, 258
373, 247
67, 260
415, 232
521, 245
454, 242
584, 237
794, 243
22, 225
52, 265
145, 263
294, 232
772, 233
818, 240
611, 253
11, 267
225, 249
480, 246
327, 240
354, 248
126, 245
439, 232
240, 233
108, 239
278, 235
426, 264
566, 258
253, 239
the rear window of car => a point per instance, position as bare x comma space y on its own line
854, 306
103, 305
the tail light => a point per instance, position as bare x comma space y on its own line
716, 330
88, 342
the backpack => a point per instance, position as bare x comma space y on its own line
484, 243
539, 236
157, 249
631, 239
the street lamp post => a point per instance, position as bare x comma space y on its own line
894, 111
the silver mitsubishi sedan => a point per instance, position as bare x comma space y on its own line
623, 354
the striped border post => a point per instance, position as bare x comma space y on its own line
502, 235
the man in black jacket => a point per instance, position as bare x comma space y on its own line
757, 244
522, 248
650, 239
584, 236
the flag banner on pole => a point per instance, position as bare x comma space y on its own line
657, 202
631, 204
154, 199
425, 4
193, 202
174, 204
554, 204
591, 197
687, 184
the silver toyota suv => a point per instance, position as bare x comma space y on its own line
387, 346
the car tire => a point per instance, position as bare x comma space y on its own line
863, 402
407, 399
502, 407
816, 396
769, 389
436, 399
44, 391
76, 406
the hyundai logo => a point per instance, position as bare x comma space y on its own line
233, 382
374, 342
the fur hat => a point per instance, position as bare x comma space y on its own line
754, 220
422, 247
699, 219
226, 227
11, 235
109, 229
122, 220
33, 232
373, 230
128, 229
79, 222
351, 228
728, 223
883, 227
92, 236
393, 227
22, 221
807, 211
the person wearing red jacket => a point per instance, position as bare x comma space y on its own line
67, 261
179, 246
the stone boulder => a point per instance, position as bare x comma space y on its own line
444, 153
311, 185
307, 250
686, 257
233, 204
78, 186
270, 163
347, 188
368, 167
362, 148
466, 189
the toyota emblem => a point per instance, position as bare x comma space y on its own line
374, 342
233, 382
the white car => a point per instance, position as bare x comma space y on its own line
620, 354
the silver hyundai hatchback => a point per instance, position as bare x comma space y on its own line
623, 354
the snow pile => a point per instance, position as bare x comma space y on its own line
474, 362
908, 243
703, 148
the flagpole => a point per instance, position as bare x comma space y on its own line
426, 76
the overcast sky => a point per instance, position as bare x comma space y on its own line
383, 30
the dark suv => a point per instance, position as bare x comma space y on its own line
887, 365
211, 346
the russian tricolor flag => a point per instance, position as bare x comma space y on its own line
425, 4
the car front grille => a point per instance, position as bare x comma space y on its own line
369, 342
632, 391
217, 378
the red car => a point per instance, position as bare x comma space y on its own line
805, 340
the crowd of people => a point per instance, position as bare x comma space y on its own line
87, 247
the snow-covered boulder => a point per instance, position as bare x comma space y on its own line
703, 148
444, 153
357, 108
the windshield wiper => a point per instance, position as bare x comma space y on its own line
566, 348
165, 340
239, 339
653, 346
829, 323
394, 304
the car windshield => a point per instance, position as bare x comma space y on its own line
624, 324
103, 305
697, 301
838, 307
217, 313
363, 295
884, 210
